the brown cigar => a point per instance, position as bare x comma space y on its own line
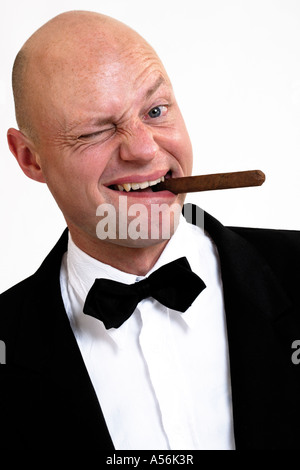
190, 184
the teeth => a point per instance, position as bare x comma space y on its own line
127, 186
143, 185
153, 183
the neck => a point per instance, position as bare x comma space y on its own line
134, 260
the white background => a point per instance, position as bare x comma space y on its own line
235, 67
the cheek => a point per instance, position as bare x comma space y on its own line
188, 161
182, 149
74, 170
73, 181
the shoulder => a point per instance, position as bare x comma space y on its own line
278, 250
274, 244
265, 247
12, 309
266, 240
17, 293
26, 294
265, 235
50, 265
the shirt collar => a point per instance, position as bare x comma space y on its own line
177, 247
83, 269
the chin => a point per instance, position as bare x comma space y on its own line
144, 228
139, 243
143, 237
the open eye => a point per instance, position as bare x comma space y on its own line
157, 111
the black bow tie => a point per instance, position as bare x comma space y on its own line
174, 285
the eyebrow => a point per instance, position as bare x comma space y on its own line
156, 85
108, 120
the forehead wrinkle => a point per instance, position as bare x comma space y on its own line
93, 120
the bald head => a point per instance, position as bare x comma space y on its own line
70, 40
96, 110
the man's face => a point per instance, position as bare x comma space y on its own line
110, 121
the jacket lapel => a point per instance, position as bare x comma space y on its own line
60, 387
260, 326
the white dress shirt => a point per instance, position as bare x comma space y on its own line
162, 378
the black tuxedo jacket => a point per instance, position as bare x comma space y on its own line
47, 400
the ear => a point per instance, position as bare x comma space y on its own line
23, 150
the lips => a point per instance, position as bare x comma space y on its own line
143, 186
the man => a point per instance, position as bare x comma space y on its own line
97, 117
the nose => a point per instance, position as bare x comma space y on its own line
138, 144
